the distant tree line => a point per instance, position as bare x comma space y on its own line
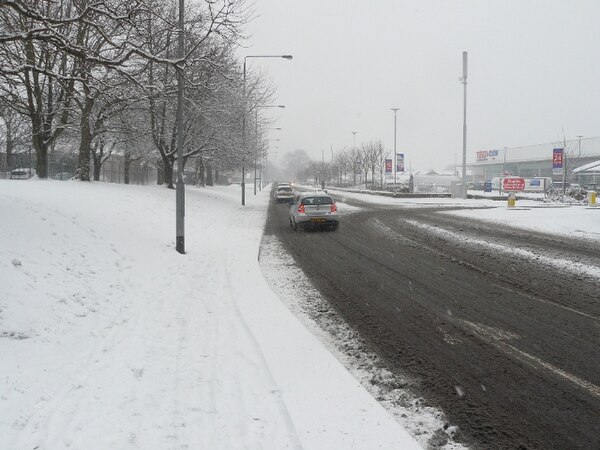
364, 163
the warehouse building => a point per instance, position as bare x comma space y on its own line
536, 161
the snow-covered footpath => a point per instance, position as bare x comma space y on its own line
111, 339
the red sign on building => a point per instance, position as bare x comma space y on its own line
513, 184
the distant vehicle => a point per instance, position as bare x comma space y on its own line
284, 194
21, 173
313, 210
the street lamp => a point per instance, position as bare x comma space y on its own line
244, 119
395, 151
179, 186
256, 134
463, 80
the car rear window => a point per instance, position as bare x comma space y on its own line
317, 201
284, 189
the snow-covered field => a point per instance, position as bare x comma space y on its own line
111, 339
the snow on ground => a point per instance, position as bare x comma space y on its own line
559, 263
111, 339
411, 202
569, 220
577, 220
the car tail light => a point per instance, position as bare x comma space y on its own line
333, 207
301, 209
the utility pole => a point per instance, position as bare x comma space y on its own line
395, 151
180, 188
322, 169
463, 80
564, 172
503, 170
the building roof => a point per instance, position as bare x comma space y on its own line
590, 147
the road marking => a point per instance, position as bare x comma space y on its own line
548, 302
560, 263
496, 338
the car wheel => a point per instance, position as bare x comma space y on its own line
334, 227
295, 226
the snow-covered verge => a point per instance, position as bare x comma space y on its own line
111, 339
562, 219
576, 220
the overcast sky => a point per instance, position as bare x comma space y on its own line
534, 70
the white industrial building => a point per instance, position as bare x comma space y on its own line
536, 161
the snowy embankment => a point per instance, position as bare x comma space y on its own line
111, 339
568, 220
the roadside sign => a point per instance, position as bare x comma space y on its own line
388, 166
557, 160
513, 184
487, 186
399, 162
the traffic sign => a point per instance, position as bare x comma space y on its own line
513, 184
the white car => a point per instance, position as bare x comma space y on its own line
22, 173
313, 210
284, 194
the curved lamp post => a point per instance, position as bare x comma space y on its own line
256, 134
244, 120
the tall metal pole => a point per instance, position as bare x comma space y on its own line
564, 171
256, 148
180, 188
464, 163
395, 152
243, 183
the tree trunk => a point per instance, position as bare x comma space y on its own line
216, 176
201, 169
209, 175
126, 167
9, 147
97, 153
168, 171
83, 164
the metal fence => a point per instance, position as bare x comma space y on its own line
62, 166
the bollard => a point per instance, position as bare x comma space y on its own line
591, 198
512, 200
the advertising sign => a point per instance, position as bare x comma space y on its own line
399, 162
484, 155
388, 165
513, 184
557, 160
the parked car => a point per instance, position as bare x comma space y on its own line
284, 194
313, 210
22, 173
